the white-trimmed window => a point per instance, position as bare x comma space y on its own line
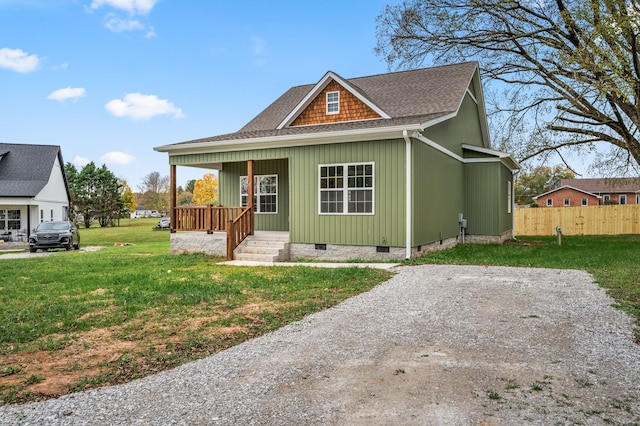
567, 202
607, 198
637, 198
333, 102
623, 199
346, 188
265, 196
585, 202
549, 202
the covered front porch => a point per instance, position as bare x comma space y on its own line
221, 229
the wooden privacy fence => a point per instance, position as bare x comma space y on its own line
589, 220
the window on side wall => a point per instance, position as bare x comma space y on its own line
346, 188
549, 202
567, 202
265, 193
585, 202
623, 199
333, 102
607, 198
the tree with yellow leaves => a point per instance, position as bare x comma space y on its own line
205, 190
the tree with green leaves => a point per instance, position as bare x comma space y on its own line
95, 194
570, 69
538, 181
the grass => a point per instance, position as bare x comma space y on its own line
84, 319
611, 259
81, 319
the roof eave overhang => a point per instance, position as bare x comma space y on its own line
284, 141
506, 159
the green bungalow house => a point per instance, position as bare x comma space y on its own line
388, 166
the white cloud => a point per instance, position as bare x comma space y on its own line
142, 107
118, 158
18, 61
118, 25
80, 161
67, 93
141, 7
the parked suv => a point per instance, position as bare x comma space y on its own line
58, 234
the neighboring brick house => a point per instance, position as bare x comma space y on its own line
591, 192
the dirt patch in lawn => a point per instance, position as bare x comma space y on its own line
118, 354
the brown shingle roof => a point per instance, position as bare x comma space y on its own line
408, 97
604, 185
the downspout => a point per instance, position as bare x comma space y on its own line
408, 206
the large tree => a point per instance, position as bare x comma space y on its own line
571, 69
205, 190
155, 191
95, 194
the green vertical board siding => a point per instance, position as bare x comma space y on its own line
230, 190
462, 129
486, 200
438, 194
306, 225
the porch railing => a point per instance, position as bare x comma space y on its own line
238, 229
237, 222
205, 218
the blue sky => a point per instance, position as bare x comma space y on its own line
108, 80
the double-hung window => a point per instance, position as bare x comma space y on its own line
265, 197
346, 188
333, 102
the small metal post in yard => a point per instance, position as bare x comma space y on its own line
559, 232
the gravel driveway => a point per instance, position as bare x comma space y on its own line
435, 345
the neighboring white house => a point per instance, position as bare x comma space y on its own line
142, 211
33, 188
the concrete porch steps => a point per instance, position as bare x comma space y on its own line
264, 247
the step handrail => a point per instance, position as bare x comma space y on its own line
238, 229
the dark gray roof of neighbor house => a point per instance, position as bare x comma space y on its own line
407, 97
604, 185
25, 169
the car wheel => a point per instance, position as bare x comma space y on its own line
68, 246
32, 249
76, 246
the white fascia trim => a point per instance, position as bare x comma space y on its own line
497, 159
438, 120
438, 147
567, 187
472, 95
502, 155
324, 81
344, 136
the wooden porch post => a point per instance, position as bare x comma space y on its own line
250, 191
172, 197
